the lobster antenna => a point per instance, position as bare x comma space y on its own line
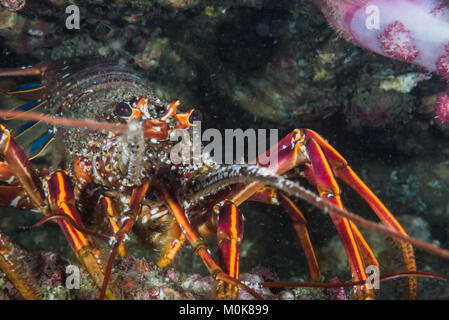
107, 273
65, 122
382, 278
72, 223
233, 174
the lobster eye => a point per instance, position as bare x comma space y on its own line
123, 110
195, 116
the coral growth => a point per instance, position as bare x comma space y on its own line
397, 42
141, 280
442, 109
443, 63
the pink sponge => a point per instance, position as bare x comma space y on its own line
415, 31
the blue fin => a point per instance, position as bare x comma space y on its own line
17, 132
40, 144
30, 87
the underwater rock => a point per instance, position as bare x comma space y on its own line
11, 24
138, 280
276, 61
416, 227
374, 107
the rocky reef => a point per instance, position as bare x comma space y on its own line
141, 280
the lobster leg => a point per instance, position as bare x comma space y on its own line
6, 174
198, 245
60, 198
111, 214
127, 223
12, 194
21, 167
229, 234
15, 197
62, 201
174, 246
328, 188
365, 250
13, 268
300, 148
342, 171
271, 196
17, 167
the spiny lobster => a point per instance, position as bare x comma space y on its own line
115, 168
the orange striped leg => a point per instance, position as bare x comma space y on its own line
15, 197
13, 268
173, 248
137, 196
128, 219
25, 192
60, 197
367, 253
328, 189
110, 212
198, 245
7, 175
229, 234
271, 196
13, 194
21, 167
62, 201
342, 171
